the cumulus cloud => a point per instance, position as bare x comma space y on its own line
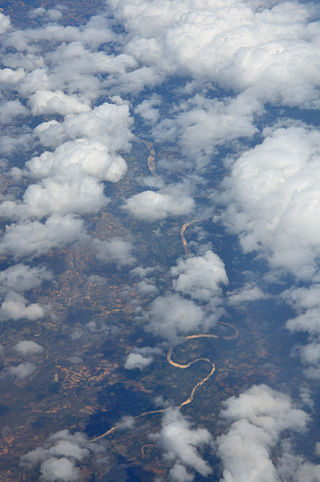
60, 456
257, 419
48, 102
35, 238
11, 76
15, 307
172, 316
181, 444
307, 305
306, 302
26, 347
10, 110
4, 23
140, 358
114, 250
137, 361
264, 50
202, 124
81, 156
59, 469
200, 277
153, 206
21, 277
21, 371
179, 473
293, 467
272, 196
148, 109
107, 123
249, 292
69, 180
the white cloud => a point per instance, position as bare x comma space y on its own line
141, 357
249, 292
272, 51
59, 469
137, 361
147, 109
107, 123
60, 456
181, 443
35, 238
26, 347
293, 467
147, 287
272, 197
306, 302
10, 110
80, 196
257, 417
15, 307
179, 473
20, 371
21, 277
200, 277
48, 102
114, 250
151, 205
79, 157
4, 23
202, 124
307, 305
10, 76
172, 316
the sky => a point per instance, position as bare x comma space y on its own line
234, 87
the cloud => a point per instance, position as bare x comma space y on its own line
81, 195
249, 292
180, 474
10, 76
181, 443
114, 250
201, 124
36, 238
257, 419
147, 109
4, 23
307, 305
272, 196
153, 206
137, 361
10, 110
21, 371
294, 467
172, 316
21, 277
235, 45
60, 456
15, 307
48, 102
107, 123
142, 357
26, 347
200, 277
79, 157
70, 180
59, 469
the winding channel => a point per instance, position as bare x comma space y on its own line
202, 381
175, 364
